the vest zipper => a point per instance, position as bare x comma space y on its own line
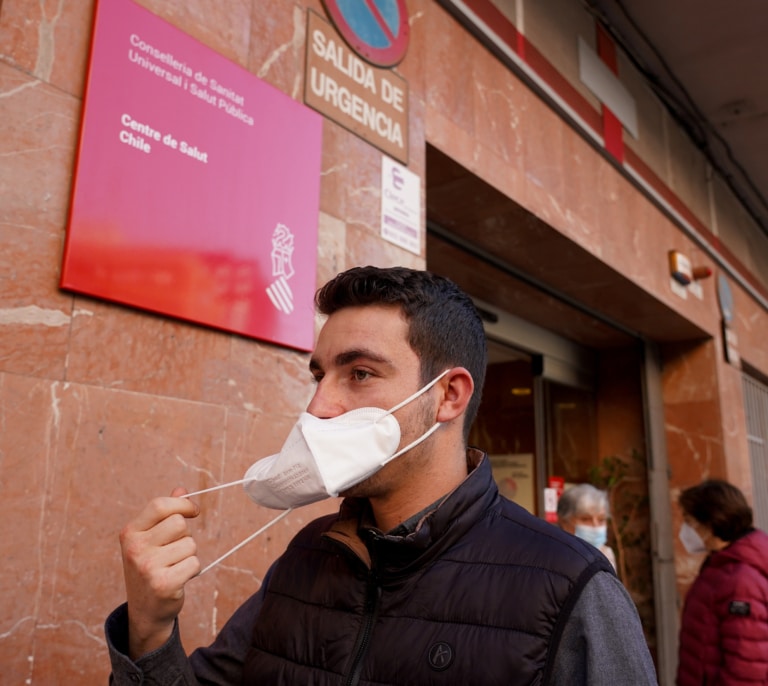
372, 598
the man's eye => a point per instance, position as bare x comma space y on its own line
360, 374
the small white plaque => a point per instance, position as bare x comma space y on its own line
400, 206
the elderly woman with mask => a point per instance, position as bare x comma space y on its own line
583, 511
724, 627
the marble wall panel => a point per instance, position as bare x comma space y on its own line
448, 136
412, 66
545, 164
40, 122
362, 189
364, 247
40, 129
269, 379
733, 420
26, 439
78, 463
351, 177
48, 40
693, 413
277, 46
417, 142
581, 178
449, 85
689, 373
223, 27
118, 347
500, 106
35, 318
330, 248
335, 165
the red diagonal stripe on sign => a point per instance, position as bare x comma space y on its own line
371, 4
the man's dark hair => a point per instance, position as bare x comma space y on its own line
444, 327
719, 505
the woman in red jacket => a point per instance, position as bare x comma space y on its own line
724, 630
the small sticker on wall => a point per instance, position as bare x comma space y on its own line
400, 206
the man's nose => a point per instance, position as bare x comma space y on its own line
326, 402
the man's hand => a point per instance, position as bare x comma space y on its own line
159, 557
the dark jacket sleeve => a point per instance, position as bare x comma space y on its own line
220, 664
166, 665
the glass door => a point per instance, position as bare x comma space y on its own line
571, 434
506, 424
539, 433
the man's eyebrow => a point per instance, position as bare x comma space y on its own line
349, 356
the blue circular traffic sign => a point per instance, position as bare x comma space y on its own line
377, 30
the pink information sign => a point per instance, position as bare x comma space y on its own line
197, 186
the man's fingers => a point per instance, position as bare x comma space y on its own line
159, 509
174, 565
174, 552
165, 543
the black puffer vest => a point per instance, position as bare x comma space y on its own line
477, 594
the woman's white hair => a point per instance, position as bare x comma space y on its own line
580, 499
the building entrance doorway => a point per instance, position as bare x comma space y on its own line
539, 432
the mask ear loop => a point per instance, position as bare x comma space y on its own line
423, 389
246, 540
215, 488
424, 437
413, 444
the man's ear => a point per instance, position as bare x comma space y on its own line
457, 387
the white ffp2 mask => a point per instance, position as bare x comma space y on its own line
324, 457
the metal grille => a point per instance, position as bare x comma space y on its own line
756, 404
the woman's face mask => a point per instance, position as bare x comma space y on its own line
324, 457
692, 542
596, 535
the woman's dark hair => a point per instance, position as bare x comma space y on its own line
444, 327
719, 505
